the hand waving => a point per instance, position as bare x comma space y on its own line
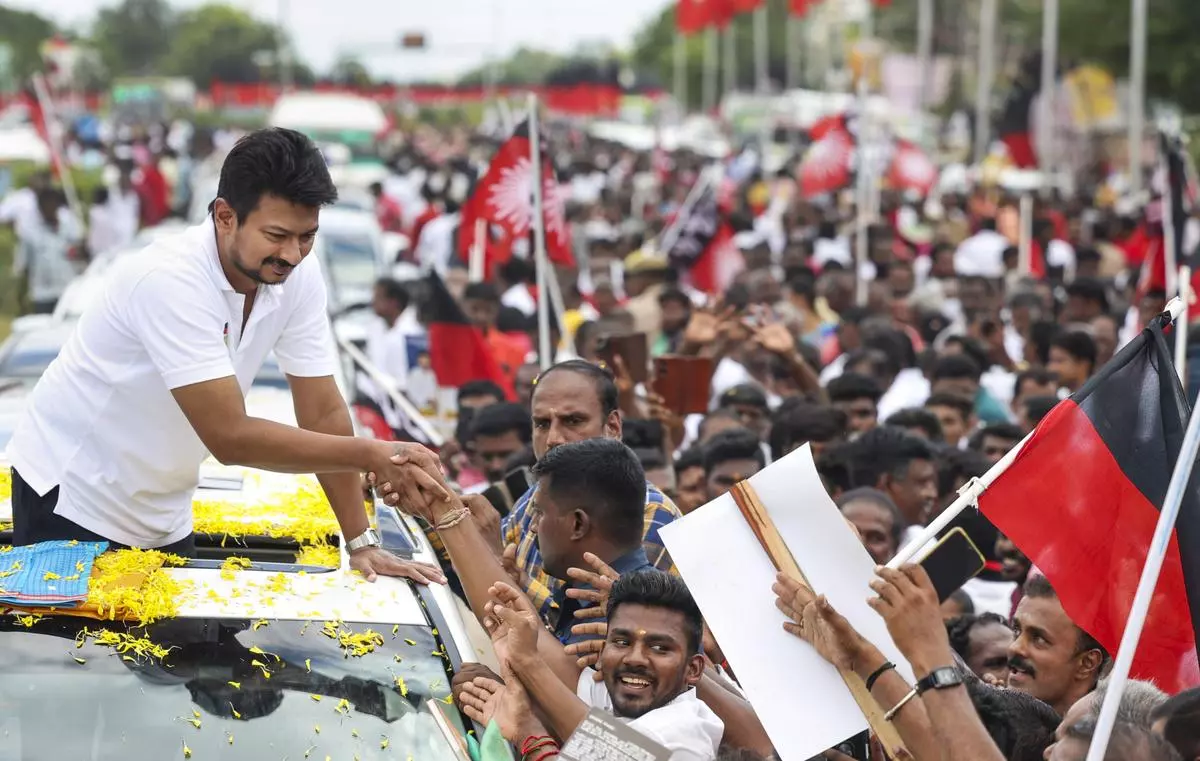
705, 324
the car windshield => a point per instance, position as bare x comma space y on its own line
28, 359
226, 689
351, 266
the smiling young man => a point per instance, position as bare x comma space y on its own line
154, 377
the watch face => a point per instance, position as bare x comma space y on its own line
947, 677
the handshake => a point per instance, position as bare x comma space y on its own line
409, 477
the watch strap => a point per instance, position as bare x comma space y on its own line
368, 538
941, 678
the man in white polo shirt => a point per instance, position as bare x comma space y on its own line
155, 375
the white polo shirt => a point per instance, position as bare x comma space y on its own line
102, 424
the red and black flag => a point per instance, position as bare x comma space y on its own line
1014, 127
458, 351
503, 199
704, 246
1082, 498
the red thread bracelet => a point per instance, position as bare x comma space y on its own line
533, 742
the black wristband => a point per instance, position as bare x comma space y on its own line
874, 677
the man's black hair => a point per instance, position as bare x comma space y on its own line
674, 294
956, 367
479, 388
848, 387
880, 500
1078, 344
720, 413
1021, 725
965, 603
854, 315
653, 588
963, 407
804, 284
734, 444
602, 477
1038, 375
499, 419
1041, 334
959, 629
1038, 407
895, 345
1182, 721
885, 450
1038, 587
274, 162
606, 387
920, 418
482, 292
1026, 300
802, 423
691, 458
1008, 431
971, 348
1089, 289
394, 290
1127, 741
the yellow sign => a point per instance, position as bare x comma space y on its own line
1093, 97
866, 60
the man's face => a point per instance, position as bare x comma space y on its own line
692, 489
1014, 566
1071, 372
953, 425
645, 659
963, 388
849, 337
481, 312
725, 474
987, 650
916, 492
1070, 749
492, 453
384, 306
566, 409
674, 316
861, 414
1031, 388
1044, 658
994, 448
1079, 309
1104, 331
973, 295
268, 244
753, 417
875, 525
523, 384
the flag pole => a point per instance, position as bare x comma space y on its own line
1046, 115
1119, 676
478, 252
681, 72
1025, 241
862, 196
969, 495
730, 53
986, 73
539, 237
1137, 93
762, 46
711, 45
1171, 258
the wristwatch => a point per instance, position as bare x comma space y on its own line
368, 538
940, 679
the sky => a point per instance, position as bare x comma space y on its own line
460, 34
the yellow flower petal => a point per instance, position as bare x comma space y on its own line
235, 685
187, 752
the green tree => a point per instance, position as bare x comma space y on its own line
24, 32
350, 71
524, 66
219, 42
133, 37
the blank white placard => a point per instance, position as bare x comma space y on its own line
799, 697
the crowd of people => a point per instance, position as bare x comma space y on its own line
950, 357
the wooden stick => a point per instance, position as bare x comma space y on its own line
768, 536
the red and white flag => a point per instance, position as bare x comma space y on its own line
825, 167
503, 198
911, 169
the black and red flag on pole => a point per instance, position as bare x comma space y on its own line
704, 247
458, 351
1082, 499
503, 199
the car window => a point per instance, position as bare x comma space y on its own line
27, 361
226, 689
271, 375
351, 266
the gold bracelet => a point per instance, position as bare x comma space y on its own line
452, 519
903, 702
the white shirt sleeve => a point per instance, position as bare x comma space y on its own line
305, 349
182, 330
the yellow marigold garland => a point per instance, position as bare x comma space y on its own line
131, 584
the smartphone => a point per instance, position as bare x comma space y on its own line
857, 747
632, 348
684, 383
952, 562
505, 493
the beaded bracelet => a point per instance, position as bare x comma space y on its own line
452, 519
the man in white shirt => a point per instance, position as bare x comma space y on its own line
155, 375
983, 253
387, 346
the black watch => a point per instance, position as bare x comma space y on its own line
940, 679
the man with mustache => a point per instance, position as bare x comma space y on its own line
153, 379
1051, 658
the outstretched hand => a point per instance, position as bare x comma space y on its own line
815, 621
600, 580
373, 562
